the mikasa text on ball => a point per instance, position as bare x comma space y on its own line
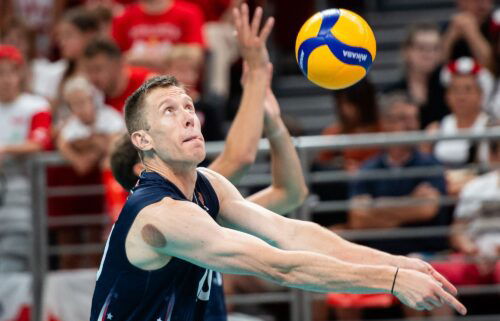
335, 48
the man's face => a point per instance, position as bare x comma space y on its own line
174, 127
10, 80
102, 71
401, 117
464, 95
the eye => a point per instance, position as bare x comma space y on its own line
190, 107
169, 110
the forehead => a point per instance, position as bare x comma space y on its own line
463, 80
402, 107
7, 63
160, 95
426, 36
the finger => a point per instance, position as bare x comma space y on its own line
264, 33
237, 21
245, 26
434, 302
452, 301
445, 283
257, 17
423, 306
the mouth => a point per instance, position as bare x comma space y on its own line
193, 138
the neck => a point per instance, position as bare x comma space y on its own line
416, 76
8, 100
183, 177
155, 6
466, 120
398, 155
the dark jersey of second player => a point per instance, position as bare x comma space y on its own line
178, 291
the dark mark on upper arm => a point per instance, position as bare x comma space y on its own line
153, 237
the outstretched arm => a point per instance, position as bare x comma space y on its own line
288, 189
292, 234
246, 130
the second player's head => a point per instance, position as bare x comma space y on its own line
163, 125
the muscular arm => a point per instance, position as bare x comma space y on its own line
243, 137
288, 189
289, 234
192, 235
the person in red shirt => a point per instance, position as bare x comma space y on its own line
107, 70
146, 30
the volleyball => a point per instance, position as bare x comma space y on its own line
335, 48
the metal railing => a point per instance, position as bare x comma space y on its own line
306, 146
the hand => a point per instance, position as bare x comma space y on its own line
422, 292
465, 22
417, 264
252, 43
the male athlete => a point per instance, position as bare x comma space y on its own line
182, 223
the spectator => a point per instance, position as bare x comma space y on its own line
464, 81
106, 68
43, 76
356, 110
476, 231
421, 52
373, 201
25, 124
222, 45
388, 203
147, 30
86, 136
85, 140
185, 62
75, 30
469, 33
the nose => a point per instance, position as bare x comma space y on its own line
188, 119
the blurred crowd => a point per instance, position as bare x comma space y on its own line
67, 67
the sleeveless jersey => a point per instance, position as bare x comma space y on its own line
179, 291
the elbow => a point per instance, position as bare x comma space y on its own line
295, 196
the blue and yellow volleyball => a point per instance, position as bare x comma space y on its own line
335, 48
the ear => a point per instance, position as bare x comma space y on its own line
142, 140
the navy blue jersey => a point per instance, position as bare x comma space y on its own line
179, 291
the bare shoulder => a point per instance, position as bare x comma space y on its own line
222, 186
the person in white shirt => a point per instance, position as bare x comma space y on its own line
85, 137
25, 122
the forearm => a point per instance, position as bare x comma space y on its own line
397, 210
243, 137
288, 189
21, 149
300, 269
312, 237
481, 49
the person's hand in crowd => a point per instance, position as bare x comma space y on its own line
360, 207
252, 42
425, 190
464, 22
457, 179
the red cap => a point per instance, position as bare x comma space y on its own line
11, 53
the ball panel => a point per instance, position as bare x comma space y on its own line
350, 29
327, 71
310, 29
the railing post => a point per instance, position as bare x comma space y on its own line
39, 235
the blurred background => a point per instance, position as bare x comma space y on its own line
405, 161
